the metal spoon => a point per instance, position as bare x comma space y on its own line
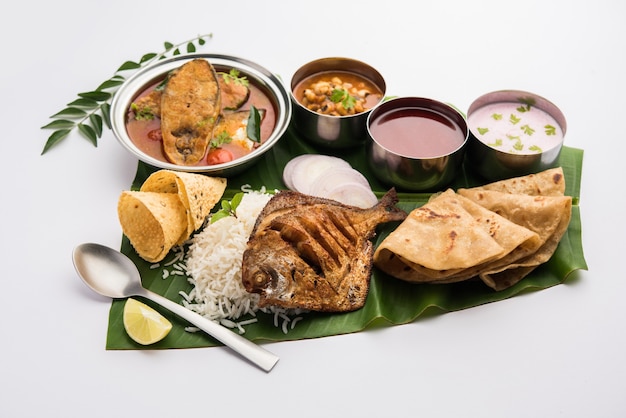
110, 273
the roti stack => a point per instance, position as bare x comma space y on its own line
499, 233
166, 210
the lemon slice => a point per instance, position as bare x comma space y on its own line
143, 324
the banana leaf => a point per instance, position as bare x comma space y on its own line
390, 301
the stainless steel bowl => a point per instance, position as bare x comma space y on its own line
326, 130
494, 164
407, 171
147, 76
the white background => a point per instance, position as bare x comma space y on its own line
555, 353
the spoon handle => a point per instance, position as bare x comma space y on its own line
254, 353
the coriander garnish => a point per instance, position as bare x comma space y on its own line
343, 96
91, 110
528, 130
233, 76
550, 130
220, 139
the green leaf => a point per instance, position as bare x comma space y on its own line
70, 112
89, 133
235, 201
105, 109
168, 45
191, 48
253, 128
84, 103
98, 95
128, 65
111, 83
59, 124
147, 57
55, 138
219, 215
96, 123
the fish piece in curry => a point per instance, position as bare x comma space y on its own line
190, 106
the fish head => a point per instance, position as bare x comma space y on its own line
256, 279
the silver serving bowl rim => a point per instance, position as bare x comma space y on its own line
147, 75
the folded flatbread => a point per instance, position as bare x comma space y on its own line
550, 182
498, 233
451, 239
548, 216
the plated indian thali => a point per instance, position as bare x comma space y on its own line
389, 302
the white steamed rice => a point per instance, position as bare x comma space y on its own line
213, 264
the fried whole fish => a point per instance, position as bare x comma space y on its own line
190, 106
314, 253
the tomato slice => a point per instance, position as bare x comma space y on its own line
219, 156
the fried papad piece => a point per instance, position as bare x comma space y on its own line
451, 239
153, 222
314, 253
190, 106
550, 182
548, 216
198, 193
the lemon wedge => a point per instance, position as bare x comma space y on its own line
143, 324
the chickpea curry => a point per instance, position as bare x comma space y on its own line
337, 93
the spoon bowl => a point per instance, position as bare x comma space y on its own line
112, 274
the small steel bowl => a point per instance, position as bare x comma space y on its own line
424, 155
497, 164
327, 130
256, 75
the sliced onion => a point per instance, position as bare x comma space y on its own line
329, 177
334, 177
353, 194
301, 172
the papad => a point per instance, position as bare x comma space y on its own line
153, 222
198, 193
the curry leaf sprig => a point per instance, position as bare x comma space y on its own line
90, 112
